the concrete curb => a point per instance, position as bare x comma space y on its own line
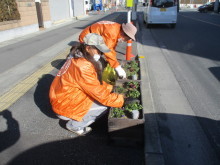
152, 149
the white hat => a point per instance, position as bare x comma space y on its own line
130, 30
97, 41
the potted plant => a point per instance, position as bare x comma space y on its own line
117, 113
120, 89
133, 108
130, 89
132, 93
131, 69
132, 84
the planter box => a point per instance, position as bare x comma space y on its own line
125, 131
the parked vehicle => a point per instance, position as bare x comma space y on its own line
160, 12
207, 7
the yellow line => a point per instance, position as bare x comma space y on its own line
22, 87
201, 20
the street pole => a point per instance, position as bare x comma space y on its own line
134, 10
129, 16
216, 6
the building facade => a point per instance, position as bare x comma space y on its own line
39, 14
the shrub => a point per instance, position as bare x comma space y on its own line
8, 10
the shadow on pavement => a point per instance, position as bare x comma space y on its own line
12, 134
74, 43
58, 63
181, 145
41, 95
92, 149
216, 72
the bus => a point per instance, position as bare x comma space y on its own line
160, 12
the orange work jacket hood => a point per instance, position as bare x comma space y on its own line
76, 86
110, 31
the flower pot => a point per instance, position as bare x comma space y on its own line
134, 77
135, 114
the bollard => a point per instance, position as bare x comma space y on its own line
129, 50
129, 42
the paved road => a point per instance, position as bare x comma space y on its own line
187, 109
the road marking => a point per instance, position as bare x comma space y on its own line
201, 20
22, 87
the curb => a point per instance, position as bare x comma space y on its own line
152, 148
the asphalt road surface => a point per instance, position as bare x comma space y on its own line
191, 134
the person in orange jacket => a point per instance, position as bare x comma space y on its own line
77, 93
112, 33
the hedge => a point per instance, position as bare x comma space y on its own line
9, 10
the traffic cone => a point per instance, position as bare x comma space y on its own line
129, 54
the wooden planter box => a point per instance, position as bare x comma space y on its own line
126, 131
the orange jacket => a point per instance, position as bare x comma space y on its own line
76, 86
110, 31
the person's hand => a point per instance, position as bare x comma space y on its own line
121, 73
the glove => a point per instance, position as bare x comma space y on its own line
121, 72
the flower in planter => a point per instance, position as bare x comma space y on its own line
132, 84
133, 106
127, 111
132, 89
133, 93
117, 113
129, 89
120, 89
131, 68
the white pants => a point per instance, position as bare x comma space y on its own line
94, 113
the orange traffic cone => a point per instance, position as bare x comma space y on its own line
129, 54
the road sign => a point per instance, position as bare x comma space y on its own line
129, 3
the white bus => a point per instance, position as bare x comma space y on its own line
160, 12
